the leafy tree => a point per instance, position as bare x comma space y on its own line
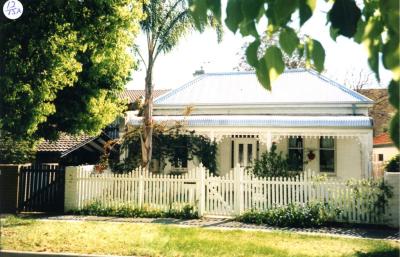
166, 22
62, 64
374, 23
16, 150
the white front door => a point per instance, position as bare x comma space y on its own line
245, 151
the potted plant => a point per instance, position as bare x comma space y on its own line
311, 155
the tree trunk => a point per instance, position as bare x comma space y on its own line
147, 135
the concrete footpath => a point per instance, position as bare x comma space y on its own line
352, 231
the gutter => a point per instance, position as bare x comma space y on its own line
263, 105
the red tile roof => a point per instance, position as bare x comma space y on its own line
132, 95
64, 143
383, 139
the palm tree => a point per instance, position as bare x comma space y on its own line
166, 22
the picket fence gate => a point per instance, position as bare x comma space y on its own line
228, 195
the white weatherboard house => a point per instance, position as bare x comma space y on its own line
319, 124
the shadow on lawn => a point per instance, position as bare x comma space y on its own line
380, 253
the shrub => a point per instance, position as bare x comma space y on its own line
374, 193
292, 215
271, 164
96, 209
187, 212
394, 164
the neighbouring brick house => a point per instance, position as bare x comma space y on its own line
72, 150
134, 95
382, 111
383, 150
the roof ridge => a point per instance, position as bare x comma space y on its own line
176, 90
250, 72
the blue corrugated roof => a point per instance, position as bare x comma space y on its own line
293, 86
264, 121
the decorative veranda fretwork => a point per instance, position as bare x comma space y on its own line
227, 195
266, 137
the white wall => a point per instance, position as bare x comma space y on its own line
224, 156
348, 158
282, 146
388, 153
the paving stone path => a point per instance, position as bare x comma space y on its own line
221, 223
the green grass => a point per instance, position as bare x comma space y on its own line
169, 240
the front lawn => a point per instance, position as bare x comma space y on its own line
169, 240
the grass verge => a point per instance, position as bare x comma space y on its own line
167, 240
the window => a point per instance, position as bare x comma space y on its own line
241, 155
232, 154
327, 155
380, 157
180, 159
249, 154
295, 158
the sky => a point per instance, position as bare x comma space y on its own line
198, 50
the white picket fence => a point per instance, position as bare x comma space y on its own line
228, 195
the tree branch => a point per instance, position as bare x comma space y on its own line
141, 57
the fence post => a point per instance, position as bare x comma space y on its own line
392, 212
71, 188
201, 174
238, 181
141, 187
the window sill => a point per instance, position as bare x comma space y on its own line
328, 173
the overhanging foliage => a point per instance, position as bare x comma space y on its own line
375, 24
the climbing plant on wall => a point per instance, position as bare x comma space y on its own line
173, 144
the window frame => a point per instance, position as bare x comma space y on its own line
333, 173
296, 148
